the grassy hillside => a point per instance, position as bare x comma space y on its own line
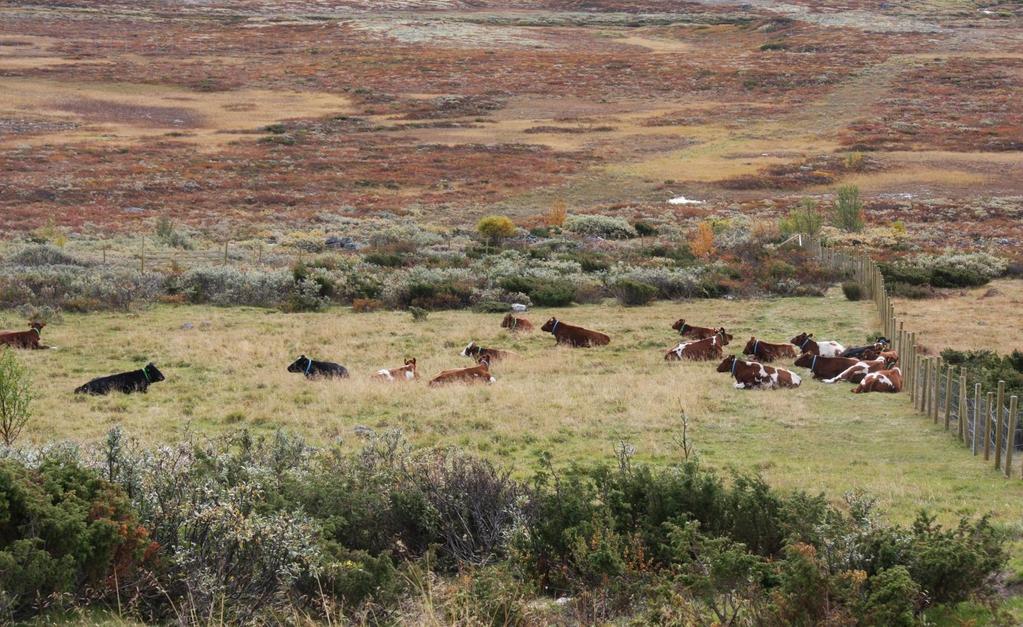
228, 372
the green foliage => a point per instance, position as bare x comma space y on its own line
553, 294
63, 530
634, 293
170, 236
644, 229
496, 228
606, 227
946, 270
418, 314
384, 259
15, 396
893, 599
849, 209
988, 368
852, 290
805, 218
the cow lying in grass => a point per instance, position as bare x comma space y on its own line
856, 372
313, 369
126, 382
807, 344
573, 335
698, 333
512, 323
478, 353
698, 350
882, 381
766, 351
24, 339
407, 372
480, 373
752, 375
825, 367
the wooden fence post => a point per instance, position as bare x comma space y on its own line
976, 415
1011, 445
987, 424
999, 423
948, 394
925, 377
962, 405
142, 257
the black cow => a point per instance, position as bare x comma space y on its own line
127, 382
866, 353
312, 368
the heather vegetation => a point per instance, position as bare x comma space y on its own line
269, 529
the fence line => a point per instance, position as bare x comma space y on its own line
939, 391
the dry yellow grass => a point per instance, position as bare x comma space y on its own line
574, 403
968, 319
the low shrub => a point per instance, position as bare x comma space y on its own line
634, 293
852, 290
367, 305
607, 227
553, 294
911, 291
989, 368
43, 255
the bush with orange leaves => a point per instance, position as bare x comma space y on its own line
702, 243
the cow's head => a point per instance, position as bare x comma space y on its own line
751, 346
890, 358
411, 362
300, 364
153, 373
726, 364
679, 324
801, 339
470, 349
484, 363
549, 326
508, 322
725, 336
37, 325
806, 360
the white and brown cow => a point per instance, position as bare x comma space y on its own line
480, 373
698, 333
752, 375
881, 381
698, 350
478, 353
807, 344
856, 372
407, 372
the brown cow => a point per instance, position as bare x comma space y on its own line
752, 375
882, 381
573, 335
512, 323
766, 351
856, 372
825, 367
699, 350
23, 339
698, 332
479, 373
407, 372
808, 344
479, 353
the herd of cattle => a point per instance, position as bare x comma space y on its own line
872, 367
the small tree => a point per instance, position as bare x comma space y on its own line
702, 244
15, 396
849, 209
496, 228
804, 218
556, 214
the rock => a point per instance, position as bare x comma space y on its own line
188, 326
342, 243
518, 307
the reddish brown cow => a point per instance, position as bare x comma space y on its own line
512, 323
699, 350
825, 367
808, 344
479, 353
882, 381
752, 375
407, 372
23, 339
479, 373
573, 335
766, 351
698, 333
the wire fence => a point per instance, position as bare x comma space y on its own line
986, 422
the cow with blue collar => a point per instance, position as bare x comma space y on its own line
753, 375
24, 339
573, 335
313, 369
766, 351
825, 367
125, 382
808, 344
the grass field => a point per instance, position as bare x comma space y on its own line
228, 372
